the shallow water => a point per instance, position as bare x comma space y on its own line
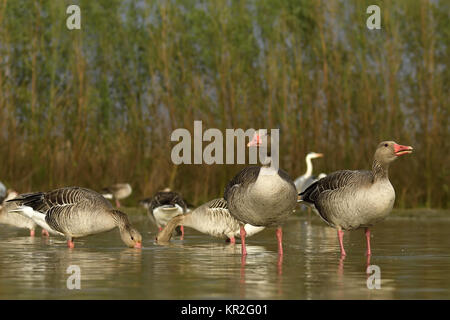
413, 256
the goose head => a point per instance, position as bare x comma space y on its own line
314, 155
388, 151
131, 237
261, 138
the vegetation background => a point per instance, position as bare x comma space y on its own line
96, 106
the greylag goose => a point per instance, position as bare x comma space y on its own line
261, 196
164, 206
212, 218
3, 192
117, 192
14, 219
349, 200
75, 212
305, 180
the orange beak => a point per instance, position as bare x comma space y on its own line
256, 141
401, 150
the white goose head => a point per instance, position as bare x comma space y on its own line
314, 155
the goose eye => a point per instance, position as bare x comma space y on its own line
132, 238
385, 144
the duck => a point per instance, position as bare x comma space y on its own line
353, 199
262, 196
117, 192
75, 212
212, 218
305, 180
164, 206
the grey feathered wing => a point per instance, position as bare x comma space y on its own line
331, 187
57, 205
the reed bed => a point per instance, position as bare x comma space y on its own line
96, 106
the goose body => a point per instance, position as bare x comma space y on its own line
164, 206
261, 196
117, 192
75, 212
212, 218
12, 218
352, 199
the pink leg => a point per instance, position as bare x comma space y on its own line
341, 243
117, 203
279, 233
70, 244
280, 264
45, 233
232, 240
182, 231
160, 229
369, 252
31, 233
243, 233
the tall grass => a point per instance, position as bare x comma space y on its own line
95, 106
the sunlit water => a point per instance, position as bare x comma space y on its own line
413, 256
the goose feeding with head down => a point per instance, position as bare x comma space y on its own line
261, 196
75, 212
117, 192
352, 199
212, 218
305, 180
164, 206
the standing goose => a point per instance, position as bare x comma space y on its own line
75, 212
164, 206
212, 218
349, 200
261, 196
305, 180
117, 192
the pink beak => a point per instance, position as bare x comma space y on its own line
138, 245
401, 150
255, 141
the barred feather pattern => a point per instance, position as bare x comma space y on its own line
350, 199
212, 218
74, 211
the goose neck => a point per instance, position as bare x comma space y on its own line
380, 170
309, 167
120, 219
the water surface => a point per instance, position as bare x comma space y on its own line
413, 256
